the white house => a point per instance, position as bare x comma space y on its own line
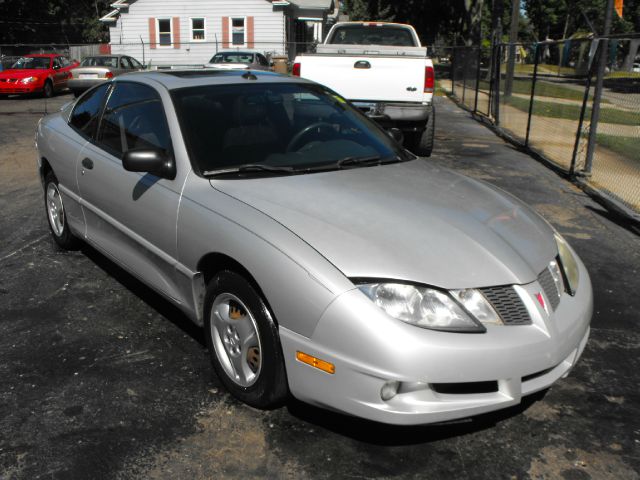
189, 32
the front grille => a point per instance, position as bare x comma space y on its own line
549, 287
508, 304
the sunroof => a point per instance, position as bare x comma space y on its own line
211, 73
199, 73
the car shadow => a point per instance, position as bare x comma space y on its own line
381, 434
149, 296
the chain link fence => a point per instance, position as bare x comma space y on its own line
541, 96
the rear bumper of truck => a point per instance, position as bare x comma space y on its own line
407, 116
395, 111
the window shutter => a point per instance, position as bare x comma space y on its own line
176, 32
225, 32
250, 33
152, 32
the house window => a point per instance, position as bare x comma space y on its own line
197, 30
164, 32
237, 31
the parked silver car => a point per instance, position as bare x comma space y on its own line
321, 258
239, 60
100, 68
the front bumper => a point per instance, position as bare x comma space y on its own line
443, 376
13, 88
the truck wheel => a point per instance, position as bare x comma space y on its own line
422, 143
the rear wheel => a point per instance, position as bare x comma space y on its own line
47, 90
422, 143
56, 214
243, 342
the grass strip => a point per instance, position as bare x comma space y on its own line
572, 112
626, 146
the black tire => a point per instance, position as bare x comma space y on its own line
77, 93
53, 200
268, 388
47, 90
422, 143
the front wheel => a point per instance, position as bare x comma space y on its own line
56, 214
243, 342
47, 90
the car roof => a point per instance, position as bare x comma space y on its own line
175, 79
231, 50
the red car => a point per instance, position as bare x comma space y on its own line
46, 73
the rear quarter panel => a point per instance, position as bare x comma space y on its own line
59, 145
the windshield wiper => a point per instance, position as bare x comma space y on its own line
348, 161
249, 168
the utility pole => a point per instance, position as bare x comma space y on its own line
597, 94
513, 38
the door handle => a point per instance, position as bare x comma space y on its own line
87, 163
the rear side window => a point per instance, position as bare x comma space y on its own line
134, 119
86, 113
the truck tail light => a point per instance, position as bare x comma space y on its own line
429, 79
108, 75
296, 69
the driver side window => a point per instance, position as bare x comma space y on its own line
133, 119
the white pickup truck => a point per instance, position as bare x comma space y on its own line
383, 70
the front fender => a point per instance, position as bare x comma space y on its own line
298, 283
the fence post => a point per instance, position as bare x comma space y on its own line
453, 71
464, 75
475, 105
597, 94
585, 100
496, 90
533, 92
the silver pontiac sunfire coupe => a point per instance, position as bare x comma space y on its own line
322, 259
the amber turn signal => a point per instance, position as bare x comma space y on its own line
316, 362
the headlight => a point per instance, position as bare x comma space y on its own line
421, 306
569, 265
29, 80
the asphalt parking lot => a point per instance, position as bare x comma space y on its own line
101, 378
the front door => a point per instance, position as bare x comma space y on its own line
131, 216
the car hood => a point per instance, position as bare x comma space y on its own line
409, 221
22, 73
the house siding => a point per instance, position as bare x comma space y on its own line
134, 28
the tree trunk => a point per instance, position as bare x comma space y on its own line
513, 38
634, 44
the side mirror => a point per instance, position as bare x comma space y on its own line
149, 160
396, 134
56, 67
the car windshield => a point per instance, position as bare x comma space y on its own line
372, 34
235, 57
275, 125
32, 63
100, 62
